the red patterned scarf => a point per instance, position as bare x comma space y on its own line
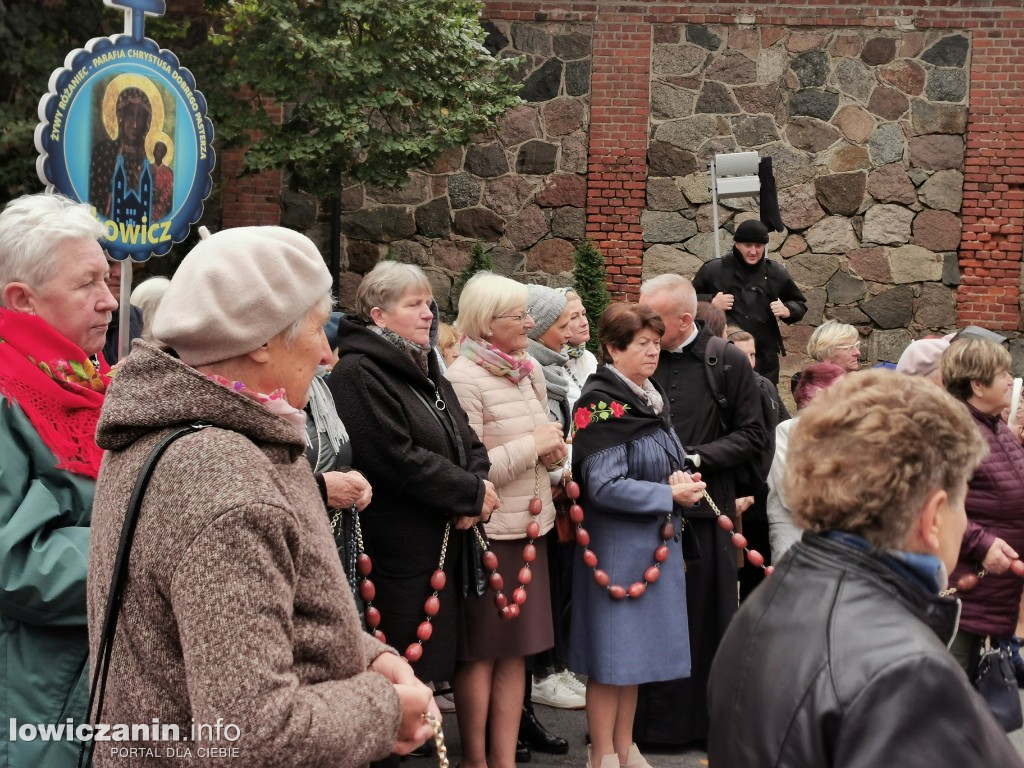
57, 387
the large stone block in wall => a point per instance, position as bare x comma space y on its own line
790, 166
733, 68
664, 195
563, 116
813, 270
754, 130
486, 160
507, 196
810, 134
878, 50
871, 264
381, 225
676, 59
888, 103
948, 52
434, 219
716, 99
664, 259
577, 78
519, 124
527, 228
947, 85
914, 264
362, 256
702, 245
886, 144
689, 133
536, 158
841, 193
574, 154
937, 230
814, 102
811, 69
887, 225
479, 223
569, 222
854, 122
666, 227
544, 83
888, 345
844, 288
937, 153
889, 184
696, 187
926, 117
552, 256
936, 306
944, 190
799, 206
892, 308
854, 79
905, 74
463, 190
669, 102
665, 159
563, 189
833, 234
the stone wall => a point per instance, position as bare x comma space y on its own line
521, 190
866, 132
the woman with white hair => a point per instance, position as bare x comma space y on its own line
837, 343
236, 609
54, 311
503, 393
147, 296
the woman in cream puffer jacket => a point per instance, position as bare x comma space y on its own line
503, 393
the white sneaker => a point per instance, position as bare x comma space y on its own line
554, 692
573, 683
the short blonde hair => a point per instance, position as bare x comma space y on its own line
972, 359
385, 284
866, 453
827, 337
486, 296
446, 335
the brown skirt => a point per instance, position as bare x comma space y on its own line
483, 634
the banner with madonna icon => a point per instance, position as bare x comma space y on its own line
124, 129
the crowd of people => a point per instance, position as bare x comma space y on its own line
372, 508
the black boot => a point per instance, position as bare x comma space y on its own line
522, 753
536, 736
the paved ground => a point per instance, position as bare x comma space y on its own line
572, 725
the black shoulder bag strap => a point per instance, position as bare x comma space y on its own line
117, 580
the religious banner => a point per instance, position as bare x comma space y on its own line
124, 129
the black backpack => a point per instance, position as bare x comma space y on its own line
751, 476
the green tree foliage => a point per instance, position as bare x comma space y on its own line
371, 88
480, 260
588, 282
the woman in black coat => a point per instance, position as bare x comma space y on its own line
412, 441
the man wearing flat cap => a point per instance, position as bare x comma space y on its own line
754, 292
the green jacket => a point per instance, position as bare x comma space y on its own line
44, 546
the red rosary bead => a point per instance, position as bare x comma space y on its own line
576, 513
519, 595
363, 564
438, 580
414, 652
582, 537
725, 523
536, 506
372, 617
424, 630
529, 553
525, 575
661, 553
601, 577
652, 574
533, 529
496, 582
739, 541
637, 589
432, 606
589, 558
367, 590
572, 490
755, 558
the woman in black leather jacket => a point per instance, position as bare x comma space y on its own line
840, 658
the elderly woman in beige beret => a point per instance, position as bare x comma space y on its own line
236, 608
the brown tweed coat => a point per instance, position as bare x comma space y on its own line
236, 608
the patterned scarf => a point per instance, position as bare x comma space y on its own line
516, 367
57, 386
416, 352
575, 352
276, 402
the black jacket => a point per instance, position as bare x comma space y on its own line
837, 661
417, 485
723, 441
754, 291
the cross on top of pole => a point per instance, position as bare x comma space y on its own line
136, 12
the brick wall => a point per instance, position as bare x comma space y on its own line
990, 253
250, 200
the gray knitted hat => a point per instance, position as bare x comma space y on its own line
544, 305
238, 289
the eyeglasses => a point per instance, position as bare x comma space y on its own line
518, 318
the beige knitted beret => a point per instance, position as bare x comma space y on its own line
238, 289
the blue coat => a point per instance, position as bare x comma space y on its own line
626, 498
